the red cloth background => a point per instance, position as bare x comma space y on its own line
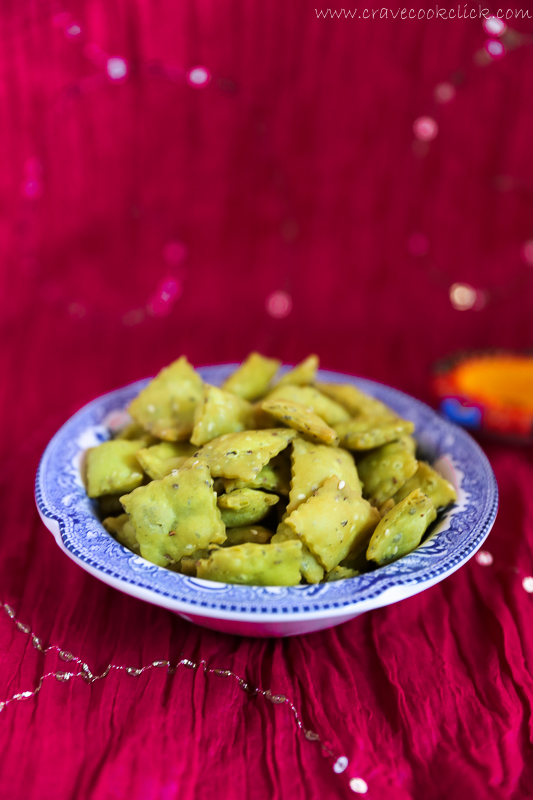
293, 170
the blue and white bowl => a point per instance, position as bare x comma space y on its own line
258, 610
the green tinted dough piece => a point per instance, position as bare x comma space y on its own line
243, 455
112, 467
438, 489
302, 419
340, 573
160, 459
123, 531
331, 521
254, 564
312, 464
366, 432
354, 400
109, 505
175, 516
248, 533
131, 431
330, 411
302, 374
252, 378
310, 568
220, 412
401, 530
274, 477
245, 506
385, 470
166, 407
187, 565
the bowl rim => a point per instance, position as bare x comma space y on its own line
294, 603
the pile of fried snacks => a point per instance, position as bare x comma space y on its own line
261, 481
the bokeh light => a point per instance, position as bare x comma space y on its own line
279, 304
425, 129
484, 558
527, 252
463, 296
198, 76
494, 49
444, 92
116, 67
494, 26
174, 252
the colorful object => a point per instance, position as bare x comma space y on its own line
488, 391
254, 610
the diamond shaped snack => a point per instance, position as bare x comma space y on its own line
302, 374
245, 506
175, 516
248, 533
385, 470
243, 455
274, 477
312, 464
166, 406
251, 380
310, 568
254, 564
329, 523
366, 432
330, 411
112, 467
220, 412
302, 419
123, 531
401, 529
354, 400
438, 489
160, 459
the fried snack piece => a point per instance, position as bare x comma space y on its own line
220, 412
112, 467
245, 506
354, 400
252, 378
187, 565
438, 489
160, 459
401, 530
130, 431
385, 507
248, 533
123, 531
312, 464
331, 521
340, 573
330, 411
385, 470
254, 564
297, 416
302, 374
109, 505
274, 477
366, 432
175, 516
243, 455
311, 570
166, 407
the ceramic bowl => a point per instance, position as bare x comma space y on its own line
262, 610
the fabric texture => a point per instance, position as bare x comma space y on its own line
285, 205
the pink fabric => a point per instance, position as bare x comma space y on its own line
293, 170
